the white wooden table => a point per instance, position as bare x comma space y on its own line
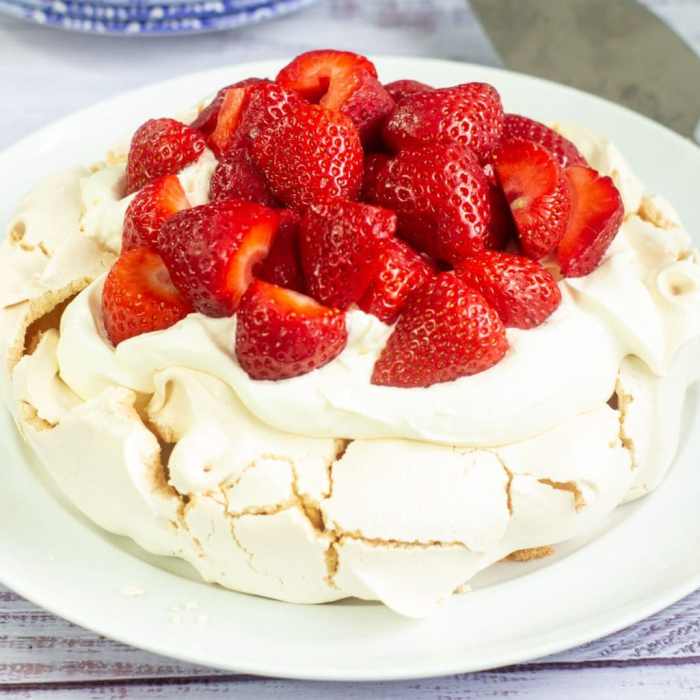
46, 74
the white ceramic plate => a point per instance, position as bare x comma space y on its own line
647, 557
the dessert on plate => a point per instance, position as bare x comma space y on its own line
325, 337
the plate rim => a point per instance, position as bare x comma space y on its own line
640, 611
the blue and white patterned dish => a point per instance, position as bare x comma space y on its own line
147, 17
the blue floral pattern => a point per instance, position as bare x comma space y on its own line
149, 17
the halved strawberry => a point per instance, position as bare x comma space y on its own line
402, 270
341, 246
466, 115
149, 209
446, 331
368, 107
398, 89
305, 152
237, 177
211, 250
325, 76
502, 228
139, 297
537, 192
282, 266
282, 334
373, 165
596, 215
233, 105
344, 82
205, 121
160, 147
523, 293
516, 126
441, 197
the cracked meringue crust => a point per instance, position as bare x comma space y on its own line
324, 487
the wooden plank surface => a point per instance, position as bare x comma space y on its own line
43, 656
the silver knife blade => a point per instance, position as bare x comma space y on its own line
617, 49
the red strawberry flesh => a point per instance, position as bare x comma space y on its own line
596, 215
237, 177
402, 270
211, 251
325, 76
150, 208
341, 246
282, 334
282, 266
441, 197
139, 297
446, 331
523, 293
536, 189
519, 127
466, 115
160, 147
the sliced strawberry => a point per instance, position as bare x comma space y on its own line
341, 246
211, 250
369, 106
403, 88
516, 126
267, 104
206, 119
446, 331
237, 177
233, 105
139, 297
282, 266
536, 189
596, 216
502, 229
160, 147
307, 153
441, 197
402, 271
374, 163
466, 115
523, 293
149, 209
282, 334
326, 77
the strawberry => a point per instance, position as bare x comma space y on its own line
307, 153
282, 334
341, 245
596, 216
139, 297
282, 266
446, 331
341, 81
369, 106
516, 126
235, 100
237, 177
402, 270
325, 76
502, 228
374, 163
211, 250
523, 293
205, 121
149, 209
267, 104
536, 189
160, 147
403, 88
466, 115
440, 195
